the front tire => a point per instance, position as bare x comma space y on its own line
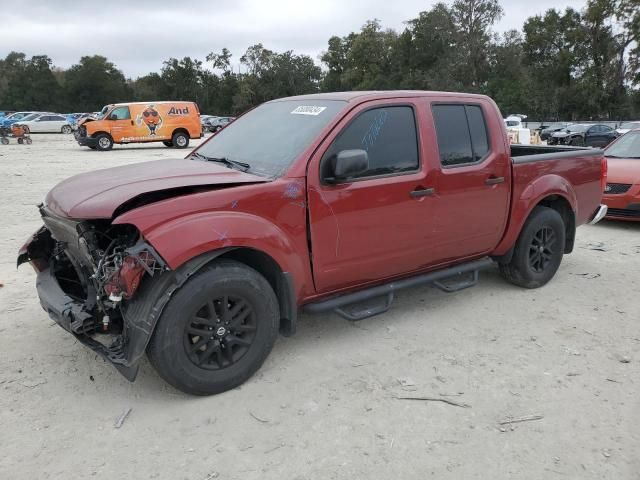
104, 142
217, 330
180, 140
538, 251
66, 129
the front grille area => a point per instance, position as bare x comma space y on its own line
617, 188
624, 213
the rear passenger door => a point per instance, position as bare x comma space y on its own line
471, 203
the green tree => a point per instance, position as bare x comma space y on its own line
473, 20
551, 53
93, 83
508, 81
28, 83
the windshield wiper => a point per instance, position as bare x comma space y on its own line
224, 160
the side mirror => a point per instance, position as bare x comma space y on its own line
349, 164
113, 117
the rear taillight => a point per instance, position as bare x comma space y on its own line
604, 169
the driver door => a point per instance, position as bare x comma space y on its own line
120, 123
370, 227
38, 124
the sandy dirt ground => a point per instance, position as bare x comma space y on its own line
325, 406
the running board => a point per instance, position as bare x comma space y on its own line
463, 276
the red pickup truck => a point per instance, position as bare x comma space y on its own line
329, 202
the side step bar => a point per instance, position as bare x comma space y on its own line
386, 291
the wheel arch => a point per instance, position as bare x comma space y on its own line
232, 235
557, 194
561, 205
280, 281
180, 130
100, 132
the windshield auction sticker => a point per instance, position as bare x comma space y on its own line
308, 110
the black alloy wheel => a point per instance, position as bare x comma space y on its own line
538, 251
220, 333
216, 330
542, 249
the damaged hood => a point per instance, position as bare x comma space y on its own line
99, 193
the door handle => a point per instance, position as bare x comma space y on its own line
494, 180
422, 193
131, 122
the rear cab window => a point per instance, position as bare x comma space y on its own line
461, 132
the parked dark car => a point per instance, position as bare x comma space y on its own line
584, 135
218, 123
549, 130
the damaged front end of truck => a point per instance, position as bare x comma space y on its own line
96, 280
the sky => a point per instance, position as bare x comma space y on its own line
138, 35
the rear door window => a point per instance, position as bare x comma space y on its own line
462, 134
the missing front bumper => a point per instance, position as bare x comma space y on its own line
71, 315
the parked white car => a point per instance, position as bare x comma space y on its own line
46, 123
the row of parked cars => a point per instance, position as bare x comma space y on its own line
41, 122
584, 134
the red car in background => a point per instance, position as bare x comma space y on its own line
622, 193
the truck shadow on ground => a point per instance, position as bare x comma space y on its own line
413, 306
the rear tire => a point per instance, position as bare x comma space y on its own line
66, 129
538, 251
4, 141
104, 142
180, 140
167, 144
217, 330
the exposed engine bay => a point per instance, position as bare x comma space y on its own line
98, 265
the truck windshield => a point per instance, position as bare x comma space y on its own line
270, 137
627, 147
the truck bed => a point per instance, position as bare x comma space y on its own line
533, 153
573, 172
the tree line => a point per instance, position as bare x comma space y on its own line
565, 65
